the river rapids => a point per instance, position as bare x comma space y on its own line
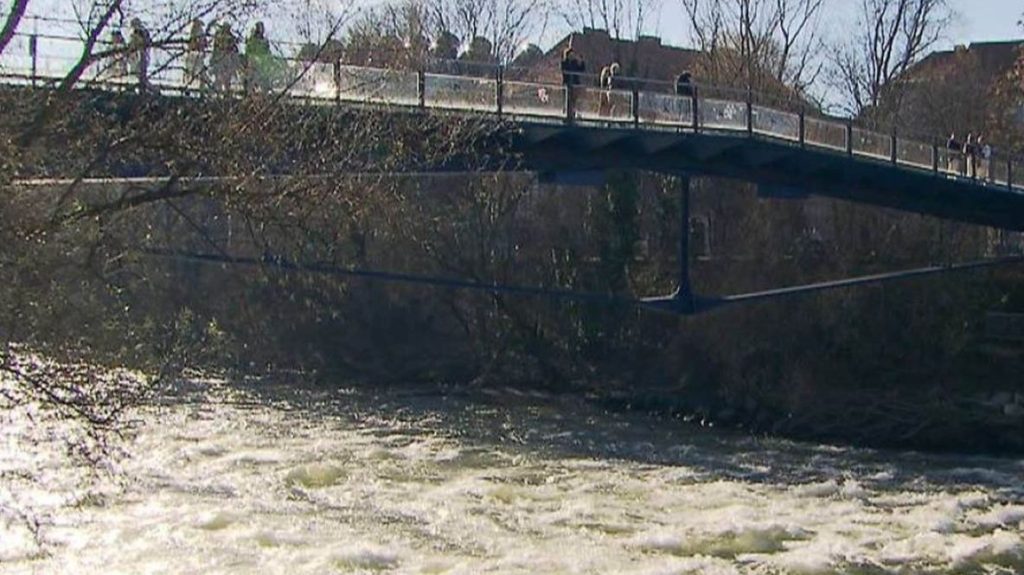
258, 477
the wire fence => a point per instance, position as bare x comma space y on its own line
530, 93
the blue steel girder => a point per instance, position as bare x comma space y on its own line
771, 162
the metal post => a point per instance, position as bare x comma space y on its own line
33, 52
684, 295
935, 158
635, 103
421, 88
569, 95
499, 88
1009, 174
893, 148
750, 112
694, 109
803, 128
849, 137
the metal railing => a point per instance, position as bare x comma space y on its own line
42, 60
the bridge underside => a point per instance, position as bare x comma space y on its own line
551, 149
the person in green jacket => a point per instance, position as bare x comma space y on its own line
259, 61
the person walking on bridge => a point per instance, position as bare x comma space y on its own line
609, 82
195, 58
117, 69
954, 148
225, 58
258, 59
970, 168
573, 68
985, 164
684, 84
138, 49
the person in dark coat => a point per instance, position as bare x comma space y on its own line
573, 68
954, 149
138, 47
684, 84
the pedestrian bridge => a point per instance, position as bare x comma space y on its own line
564, 132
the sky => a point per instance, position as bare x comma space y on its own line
974, 21
982, 20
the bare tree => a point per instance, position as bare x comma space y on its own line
889, 37
506, 24
621, 18
14, 16
755, 43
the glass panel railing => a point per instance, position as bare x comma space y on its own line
998, 171
949, 162
775, 123
460, 93
312, 80
722, 114
871, 144
54, 58
16, 60
952, 163
913, 153
983, 169
825, 133
666, 109
455, 86
530, 99
1018, 175
378, 85
600, 104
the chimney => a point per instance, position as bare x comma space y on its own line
647, 40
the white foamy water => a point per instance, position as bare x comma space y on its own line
281, 479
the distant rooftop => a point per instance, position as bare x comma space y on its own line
991, 57
646, 57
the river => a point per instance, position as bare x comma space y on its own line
289, 478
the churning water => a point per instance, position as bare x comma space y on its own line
274, 478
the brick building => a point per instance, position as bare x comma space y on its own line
645, 58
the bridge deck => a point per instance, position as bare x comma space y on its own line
623, 129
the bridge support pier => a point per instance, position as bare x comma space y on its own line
683, 301
684, 293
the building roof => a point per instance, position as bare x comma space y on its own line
645, 57
992, 59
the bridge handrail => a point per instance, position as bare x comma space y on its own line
521, 92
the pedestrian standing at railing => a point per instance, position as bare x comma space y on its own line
985, 162
684, 84
138, 50
573, 68
604, 81
225, 57
195, 58
117, 69
970, 157
955, 149
609, 82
